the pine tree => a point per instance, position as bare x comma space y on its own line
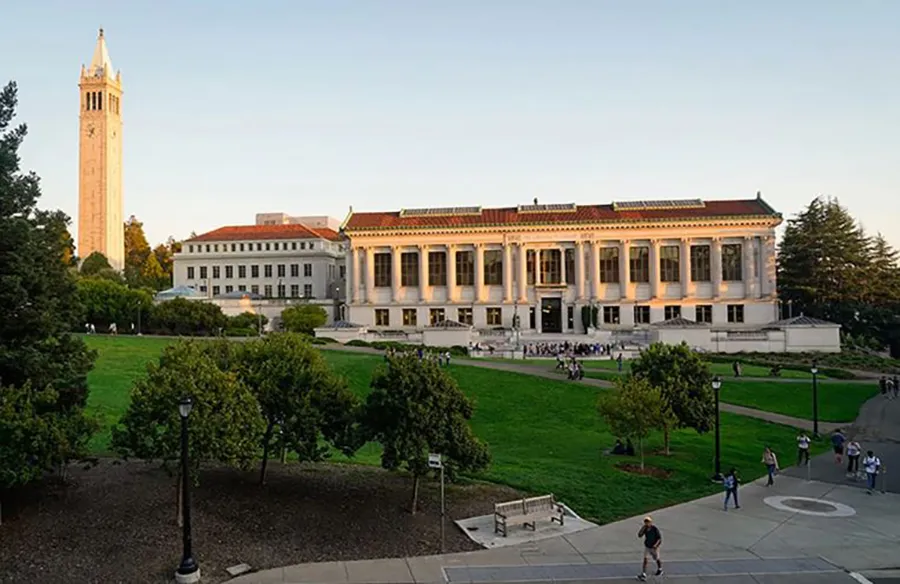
883, 272
136, 250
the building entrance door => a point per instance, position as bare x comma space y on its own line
551, 315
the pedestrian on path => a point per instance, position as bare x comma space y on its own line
837, 442
872, 465
853, 452
731, 488
771, 461
652, 541
883, 386
802, 449
896, 385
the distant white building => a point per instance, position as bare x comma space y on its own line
282, 259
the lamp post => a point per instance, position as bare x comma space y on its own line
189, 571
815, 372
716, 385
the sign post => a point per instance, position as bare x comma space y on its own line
435, 461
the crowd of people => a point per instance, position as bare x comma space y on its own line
442, 358
572, 349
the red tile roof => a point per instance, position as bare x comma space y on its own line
263, 232
582, 214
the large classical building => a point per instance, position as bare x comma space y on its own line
280, 257
635, 263
100, 221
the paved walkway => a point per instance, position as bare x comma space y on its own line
701, 543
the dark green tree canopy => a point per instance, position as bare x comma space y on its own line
94, 264
303, 318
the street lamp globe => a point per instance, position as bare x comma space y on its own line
185, 406
814, 370
716, 382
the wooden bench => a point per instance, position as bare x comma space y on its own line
527, 512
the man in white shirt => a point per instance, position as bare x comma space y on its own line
871, 464
802, 449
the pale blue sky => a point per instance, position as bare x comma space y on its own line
307, 107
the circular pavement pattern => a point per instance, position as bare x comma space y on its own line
808, 506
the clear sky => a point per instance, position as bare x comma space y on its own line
308, 107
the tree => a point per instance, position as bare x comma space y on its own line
685, 383
884, 272
94, 264
186, 317
305, 405
43, 368
136, 250
634, 410
415, 408
152, 274
164, 253
244, 323
105, 302
303, 318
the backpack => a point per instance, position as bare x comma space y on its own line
729, 482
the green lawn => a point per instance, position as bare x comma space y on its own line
838, 402
545, 436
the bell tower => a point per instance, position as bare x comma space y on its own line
100, 221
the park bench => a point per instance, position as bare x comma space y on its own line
526, 512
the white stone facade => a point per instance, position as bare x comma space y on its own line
290, 261
637, 263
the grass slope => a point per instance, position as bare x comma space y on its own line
545, 436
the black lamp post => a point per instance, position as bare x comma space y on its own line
716, 385
189, 570
815, 373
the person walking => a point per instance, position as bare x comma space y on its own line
896, 385
731, 488
771, 461
882, 385
837, 442
853, 452
802, 449
872, 465
652, 541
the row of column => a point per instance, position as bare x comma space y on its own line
759, 279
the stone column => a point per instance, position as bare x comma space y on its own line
522, 279
684, 262
370, 274
563, 276
395, 273
451, 273
424, 288
579, 271
654, 268
595, 270
768, 271
507, 273
716, 266
354, 275
624, 264
479, 272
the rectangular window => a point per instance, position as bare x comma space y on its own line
233, 247
494, 316
609, 265
254, 271
342, 271
267, 271
216, 271
435, 315
312, 245
669, 263
703, 313
294, 245
276, 246
493, 267
190, 273
735, 313
302, 245
532, 317
242, 271
229, 272
307, 270
382, 317
295, 290
307, 291
670, 312
215, 291
207, 248
551, 266
242, 247
437, 268
570, 317
267, 290
409, 268
203, 272
570, 265
731, 263
464, 315
295, 270
268, 247
242, 288
382, 270
639, 264
465, 268
254, 289
641, 315
611, 314
216, 247
409, 317
700, 263
190, 249
279, 269
530, 256
280, 291
258, 246
203, 289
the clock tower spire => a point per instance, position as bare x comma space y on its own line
100, 221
